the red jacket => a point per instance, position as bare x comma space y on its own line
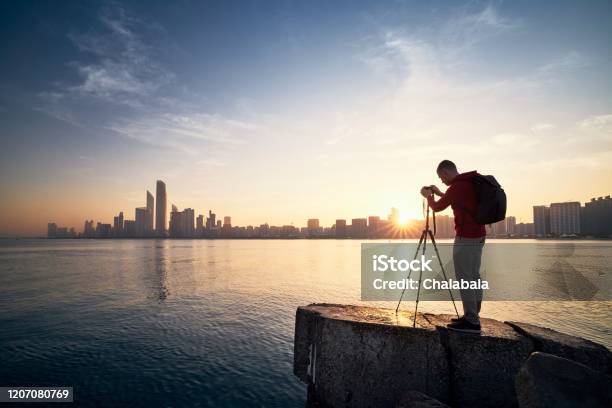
461, 196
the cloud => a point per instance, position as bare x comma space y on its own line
180, 131
600, 123
54, 104
138, 96
570, 61
471, 26
426, 56
590, 161
540, 127
212, 163
434, 105
125, 69
515, 140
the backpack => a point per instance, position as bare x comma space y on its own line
490, 198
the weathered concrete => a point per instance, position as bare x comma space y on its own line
366, 357
593, 355
548, 381
483, 367
415, 399
363, 357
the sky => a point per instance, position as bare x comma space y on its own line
280, 111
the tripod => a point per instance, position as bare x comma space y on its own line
423, 241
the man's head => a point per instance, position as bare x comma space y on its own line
447, 171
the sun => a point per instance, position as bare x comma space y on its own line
403, 219
408, 214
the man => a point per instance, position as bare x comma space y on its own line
469, 237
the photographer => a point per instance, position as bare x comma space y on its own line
469, 239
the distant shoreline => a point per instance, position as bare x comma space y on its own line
293, 238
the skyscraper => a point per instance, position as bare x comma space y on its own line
149, 214
181, 223
88, 229
541, 220
445, 226
188, 220
341, 231
511, 225
160, 209
313, 227
129, 228
141, 220
51, 230
210, 220
565, 218
176, 219
200, 225
499, 228
118, 225
596, 218
359, 228
373, 226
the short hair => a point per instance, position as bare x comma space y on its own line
447, 165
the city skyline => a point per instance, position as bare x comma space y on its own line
277, 111
404, 218
557, 219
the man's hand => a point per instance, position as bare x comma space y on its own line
426, 191
436, 191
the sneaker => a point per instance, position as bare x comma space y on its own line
464, 326
457, 319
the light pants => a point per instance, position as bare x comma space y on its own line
467, 253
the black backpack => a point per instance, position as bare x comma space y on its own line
491, 200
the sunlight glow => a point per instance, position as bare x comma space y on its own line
403, 219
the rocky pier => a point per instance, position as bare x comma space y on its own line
353, 356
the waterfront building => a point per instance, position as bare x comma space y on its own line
341, 231
160, 209
565, 218
541, 220
149, 216
596, 217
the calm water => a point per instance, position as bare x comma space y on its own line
194, 323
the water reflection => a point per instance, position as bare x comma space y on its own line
161, 264
210, 323
562, 280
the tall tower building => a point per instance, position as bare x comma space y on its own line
541, 220
118, 225
149, 214
141, 221
341, 231
200, 225
511, 225
373, 226
359, 228
596, 218
565, 218
160, 209
210, 220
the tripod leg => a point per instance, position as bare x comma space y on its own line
416, 306
423, 237
433, 241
